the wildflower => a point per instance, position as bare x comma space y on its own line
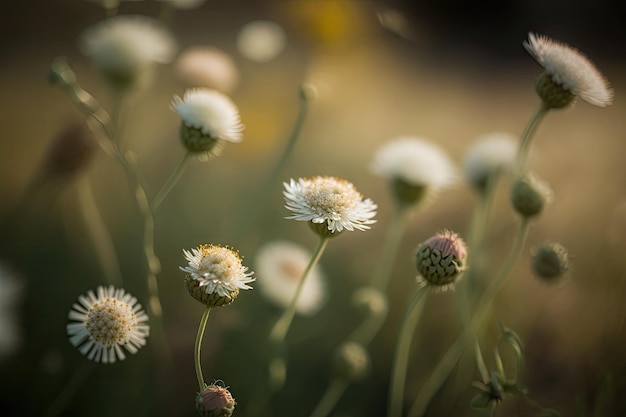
208, 67
550, 261
351, 361
369, 302
441, 260
330, 204
568, 73
208, 119
102, 324
125, 48
280, 266
529, 195
489, 156
10, 295
215, 275
416, 168
215, 401
261, 41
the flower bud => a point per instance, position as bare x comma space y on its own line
554, 95
529, 194
215, 401
351, 361
441, 260
60, 74
550, 261
197, 142
369, 302
407, 194
212, 299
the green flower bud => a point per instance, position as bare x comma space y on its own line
550, 261
369, 302
197, 142
554, 95
208, 299
529, 194
441, 260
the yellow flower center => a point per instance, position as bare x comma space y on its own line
110, 322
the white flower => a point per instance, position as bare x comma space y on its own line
490, 154
416, 161
261, 41
570, 69
329, 200
128, 43
10, 295
101, 324
279, 266
210, 111
201, 66
217, 270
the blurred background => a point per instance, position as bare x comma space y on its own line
447, 70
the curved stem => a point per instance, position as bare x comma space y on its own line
71, 387
171, 182
365, 333
527, 137
382, 271
280, 329
452, 355
198, 345
331, 397
401, 357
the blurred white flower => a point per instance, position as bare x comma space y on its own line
330, 201
217, 269
199, 66
210, 111
10, 295
491, 154
101, 324
261, 40
124, 47
186, 4
570, 69
279, 266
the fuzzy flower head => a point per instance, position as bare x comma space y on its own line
215, 401
279, 266
215, 274
125, 47
441, 260
416, 167
100, 324
489, 156
569, 74
208, 119
330, 204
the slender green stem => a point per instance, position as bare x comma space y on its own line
171, 182
527, 137
382, 271
452, 355
71, 388
365, 333
198, 345
330, 398
102, 241
401, 357
280, 329
480, 362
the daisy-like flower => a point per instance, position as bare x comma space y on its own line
416, 168
330, 203
126, 47
441, 260
208, 119
215, 274
280, 266
104, 322
569, 74
490, 155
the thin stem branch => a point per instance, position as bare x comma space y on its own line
71, 388
384, 267
330, 398
527, 137
198, 345
171, 181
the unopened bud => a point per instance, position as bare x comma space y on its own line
215, 401
351, 361
550, 261
529, 195
369, 302
441, 260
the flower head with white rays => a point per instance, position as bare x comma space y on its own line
104, 322
490, 155
279, 266
570, 70
208, 118
215, 275
416, 167
331, 203
125, 46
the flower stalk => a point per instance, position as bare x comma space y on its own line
198, 345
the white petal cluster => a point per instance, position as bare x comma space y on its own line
490, 154
210, 111
218, 269
128, 43
329, 200
100, 324
570, 69
279, 266
416, 161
